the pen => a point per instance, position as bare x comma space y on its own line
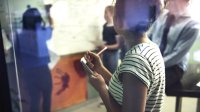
102, 51
90, 59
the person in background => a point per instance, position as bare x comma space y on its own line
138, 84
31, 19
174, 32
35, 73
111, 56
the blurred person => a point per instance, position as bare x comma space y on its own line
155, 9
111, 56
138, 84
35, 73
174, 32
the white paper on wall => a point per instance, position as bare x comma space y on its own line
77, 25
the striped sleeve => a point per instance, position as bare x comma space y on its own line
138, 66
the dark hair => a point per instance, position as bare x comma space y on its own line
140, 28
135, 13
31, 19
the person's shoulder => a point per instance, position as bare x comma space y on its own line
192, 24
140, 50
195, 23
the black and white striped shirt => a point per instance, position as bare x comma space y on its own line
146, 63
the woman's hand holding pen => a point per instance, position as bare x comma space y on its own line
94, 61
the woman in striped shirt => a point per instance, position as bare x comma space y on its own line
138, 84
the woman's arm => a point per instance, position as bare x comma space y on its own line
110, 104
95, 63
182, 47
98, 83
134, 94
106, 74
116, 45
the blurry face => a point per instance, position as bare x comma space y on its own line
176, 7
107, 15
129, 13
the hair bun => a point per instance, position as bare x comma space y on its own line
141, 27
